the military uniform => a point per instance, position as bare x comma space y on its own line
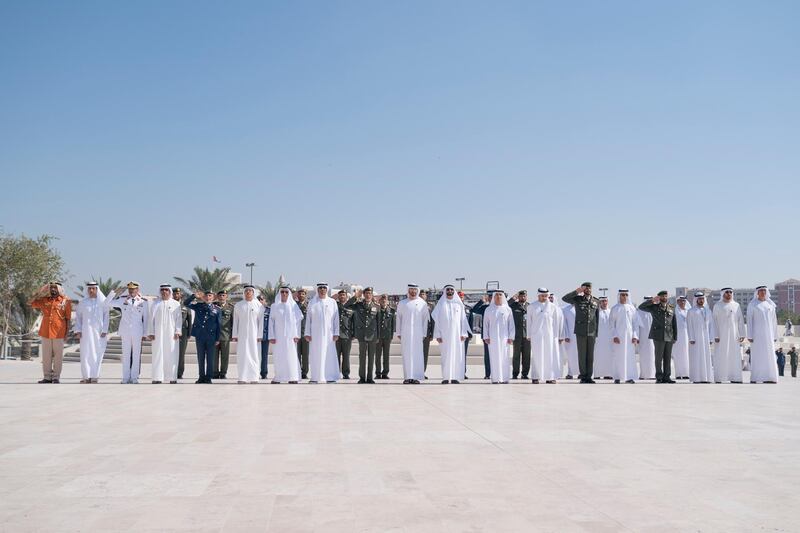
366, 321
226, 330
521, 350
386, 325
265, 344
205, 330
663, 333
302, 344
345, 340
426, 342
585, 331
186, 332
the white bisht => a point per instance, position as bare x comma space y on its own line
285, 319
647, 350
680, 350
411, 324
166, 321
729, 324
544, 327
625, 328
91, 320
322, 324
498, 328
700, 331
762, 330
603, 358
450, 325
248, 327
569, 350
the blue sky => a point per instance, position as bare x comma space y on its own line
636, 144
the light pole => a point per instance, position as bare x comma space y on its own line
250, 265
604, 289
460, 283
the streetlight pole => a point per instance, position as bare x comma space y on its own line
460, 283
250, 265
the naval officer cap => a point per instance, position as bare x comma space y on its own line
220, 293
662, 293
523, 292
208, 291
133, 285
367, 289
587, 284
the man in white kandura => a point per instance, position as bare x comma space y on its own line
285, 318
91, 328
729, 325
544, 327
131, 328
762, 332
700, 331
498, 334
164, 330
603, 358
624, 338
680, 350
647, 350
411, 326
569, 349
450, 329
322, 332
248, 327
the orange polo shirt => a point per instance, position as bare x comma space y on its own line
56, 313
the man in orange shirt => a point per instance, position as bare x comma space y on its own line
56, 311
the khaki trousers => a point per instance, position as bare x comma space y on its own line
52, 358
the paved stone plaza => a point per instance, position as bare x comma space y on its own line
389, 457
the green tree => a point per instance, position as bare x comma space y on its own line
268, 292
25, 265
204, 279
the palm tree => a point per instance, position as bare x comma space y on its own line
204, 279
268, 292
106, 286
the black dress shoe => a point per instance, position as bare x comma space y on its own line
199, 380
535, 381
304, 376
406, 382
346, 377
445, 382
455, 381
466, 377
590, 380
487, 377
378, 376
385, 375
223, 376
668, 381
371, 381
362, 380
524, 376
514, 377
569, 376
415, 382
426, 377
616, 381
630, 381
45, 381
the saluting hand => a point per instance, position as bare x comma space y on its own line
308, 338
296, 340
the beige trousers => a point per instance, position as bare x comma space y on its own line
52, 357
